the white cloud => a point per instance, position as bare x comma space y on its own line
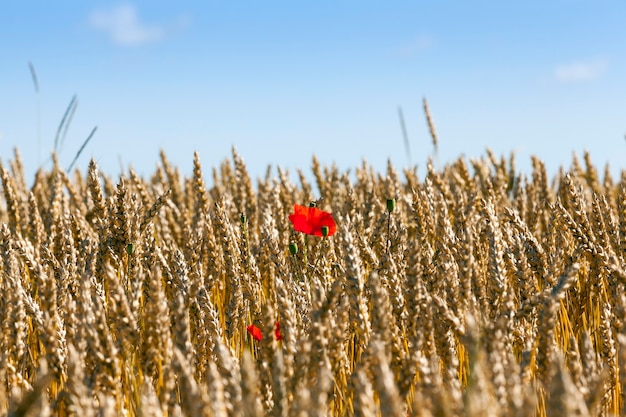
417, 45
122, 25
580, 71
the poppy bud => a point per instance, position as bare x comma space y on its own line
243, 218
130, 248
325, 231
293, 248
391, 204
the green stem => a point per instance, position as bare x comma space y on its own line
388, 246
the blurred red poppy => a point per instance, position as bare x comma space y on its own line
311, 220
277, 332
256, 334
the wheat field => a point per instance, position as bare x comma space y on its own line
474, 290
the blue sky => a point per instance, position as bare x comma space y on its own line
282, 81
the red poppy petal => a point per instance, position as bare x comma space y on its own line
277, 333
321, 219
255, 332
300, 223
327, 220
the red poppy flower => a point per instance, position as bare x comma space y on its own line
277, 333
256, 334
310, 220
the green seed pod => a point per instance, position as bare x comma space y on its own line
243, 218
130, 248
325, 231
293, 248
391, 204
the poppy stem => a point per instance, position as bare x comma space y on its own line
305, 258
319, 254
300, 276
388, 231
293, 249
